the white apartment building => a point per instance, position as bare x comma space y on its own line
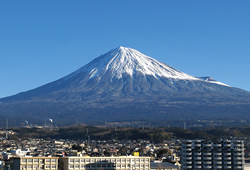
212, 155
97, 163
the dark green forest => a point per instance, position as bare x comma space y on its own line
156, 135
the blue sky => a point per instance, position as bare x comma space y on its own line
42, 41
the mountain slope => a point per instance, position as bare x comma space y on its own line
125, 79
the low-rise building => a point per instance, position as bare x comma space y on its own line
96, 163
29, 163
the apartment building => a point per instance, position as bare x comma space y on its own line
34, 163
96, 163
207, 155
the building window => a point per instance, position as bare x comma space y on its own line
35, 160
47, 166
92, 160
35, 166
77, 160
29, 166
47, 160
123, 161
53, 166
24, 160
82, 160
53, 160
71, 166
71, 160
118, 160
87, 160
82, 167
24, 166
30, 160
77, 166
136, 160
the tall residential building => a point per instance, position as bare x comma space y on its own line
208, 155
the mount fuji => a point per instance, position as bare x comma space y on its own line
126, 85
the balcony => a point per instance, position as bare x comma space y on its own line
187, 149
226, 158
217, 158
227, 167
197, 153
187, 153
197, 158
187, 166
217, 167
207, 162
238, 163
227, 145
227, 154
206, 144
217, 162
237, 167
217, 153
237, 145
207, 153
237, 158
237, 154
197, 145
207, 166
216, 145
197, 166
187, 162
207, 158
238, 149
197, 162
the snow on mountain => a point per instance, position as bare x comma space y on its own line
211, 80
123, 60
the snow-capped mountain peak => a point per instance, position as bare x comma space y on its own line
124, 60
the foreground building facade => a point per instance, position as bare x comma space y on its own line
207, 155
96, 163
81, 163
29, 163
